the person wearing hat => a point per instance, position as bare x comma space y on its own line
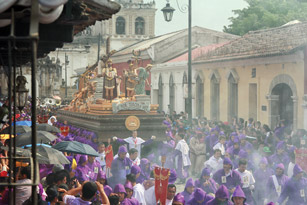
138, 189
280, 156
228, 177
205, 182
129, 191
221, 197
95, 168
136, 170
295, 188
188, 190
197, 153
238, 197
232, 137
262, 175
178, 199
120, 167
248, 180
276, 183
145, 171
215, 162
181, 156
235, 148
120, 191
82, 170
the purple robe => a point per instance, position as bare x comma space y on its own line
271, 193
187, 196
145, 174
261, 177
96, 171
182, 171
293, 189
45, 169
209, 188
282, 158
166, 149
119, 169
233, 180
82, 173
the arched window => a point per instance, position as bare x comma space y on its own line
232, 97
139, 26
120, 25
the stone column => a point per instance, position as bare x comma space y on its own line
305, 110
273, 110
295, 101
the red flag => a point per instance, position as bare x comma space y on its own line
301, 158
161, 183
109, 156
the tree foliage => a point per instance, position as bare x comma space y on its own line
262, 14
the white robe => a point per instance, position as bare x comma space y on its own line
183, 147
137, 144
138, 193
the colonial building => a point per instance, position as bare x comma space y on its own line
262, 75
163, 48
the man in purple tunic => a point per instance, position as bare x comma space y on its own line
145, 171
120, 167
221, 197
166, 149
95, 167
228, 177
262, 175
276, 183
119, 189
205, 182
82, 170
295, 188
200, 198
238, 197
188, 190
280, 156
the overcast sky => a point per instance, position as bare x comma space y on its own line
212, 14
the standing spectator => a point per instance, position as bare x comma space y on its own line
197, 153
215, 162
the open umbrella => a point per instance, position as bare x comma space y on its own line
41, 137
76, 148
54, 156
19, 129
27, 153
47, 127
26, 123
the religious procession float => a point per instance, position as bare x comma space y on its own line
101, 106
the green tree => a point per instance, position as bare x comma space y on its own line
262, 14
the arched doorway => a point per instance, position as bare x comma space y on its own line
284, 106
215, 98
283, 101
232, 97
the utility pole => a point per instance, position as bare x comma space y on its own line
66, 60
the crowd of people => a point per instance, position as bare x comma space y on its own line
242, 162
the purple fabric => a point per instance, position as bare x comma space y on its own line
242, 137
227, 161
271, 190
96, 171
189, 183
279, 158
145, 174
200, 196
122, 149
107, 189
82, 159
208, 188
119, 169
135, 169
261, 178
205, 172
281, 166
182, 171
128, 185
119, 188
243, 154
179, 198
222, 192
166, 149
173, 176
233, 180
187, 196
238, 193
264, 161
82, 173
297, 169
281, 145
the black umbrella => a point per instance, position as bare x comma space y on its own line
76, 148
27, 153
19, 129
47, 127
54, 156
41, 137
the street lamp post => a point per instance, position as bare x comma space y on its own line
66, 63
168, 14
